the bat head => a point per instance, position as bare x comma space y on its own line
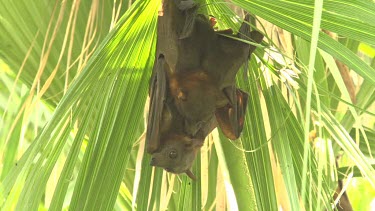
176, 154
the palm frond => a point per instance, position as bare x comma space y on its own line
90, 69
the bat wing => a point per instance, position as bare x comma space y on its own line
247, 34
157, 92
230, 118
225, 63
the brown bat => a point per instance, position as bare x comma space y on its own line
192, 88
171, 148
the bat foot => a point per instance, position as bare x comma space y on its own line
185, 4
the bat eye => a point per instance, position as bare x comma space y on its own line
172, 154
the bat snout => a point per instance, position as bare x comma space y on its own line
151, 148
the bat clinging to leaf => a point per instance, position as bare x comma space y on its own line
192, 89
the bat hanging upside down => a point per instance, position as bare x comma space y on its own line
192, 88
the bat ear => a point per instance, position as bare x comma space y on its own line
190, 174
194, 143
230, 118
